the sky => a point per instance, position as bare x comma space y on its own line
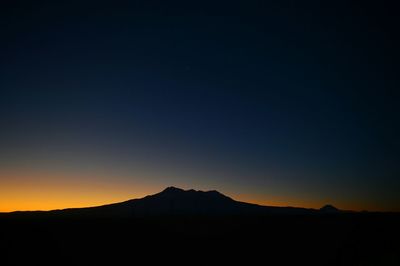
279, 103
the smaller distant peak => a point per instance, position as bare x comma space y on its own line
329, 208
173, 189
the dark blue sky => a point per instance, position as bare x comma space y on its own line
273, 99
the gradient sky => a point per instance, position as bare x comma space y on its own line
274, 102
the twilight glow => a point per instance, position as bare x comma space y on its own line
105, 105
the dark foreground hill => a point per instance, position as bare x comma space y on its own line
187, 227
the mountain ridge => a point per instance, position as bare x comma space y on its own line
177, 201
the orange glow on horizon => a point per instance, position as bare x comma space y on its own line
49, 190
31, 201
40, 200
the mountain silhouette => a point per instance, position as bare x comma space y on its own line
178, 201
329, 209
174, 201
171, 201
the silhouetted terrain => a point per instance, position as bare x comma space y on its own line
172, 201
193, 226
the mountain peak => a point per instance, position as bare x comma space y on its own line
178, 193
172, 189
329, 208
